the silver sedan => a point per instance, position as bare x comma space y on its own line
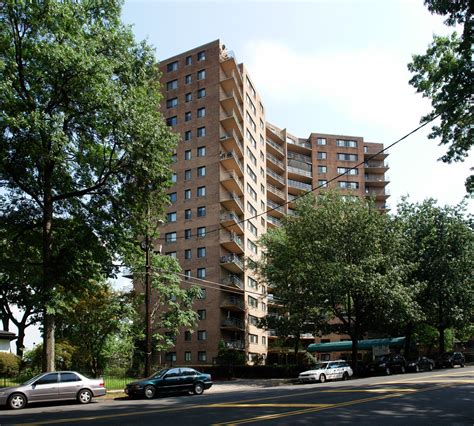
57, 386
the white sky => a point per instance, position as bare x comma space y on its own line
329, 66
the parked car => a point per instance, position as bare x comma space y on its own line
170, 380
57, 386
323, 371
387, 364
450, 359
421, 363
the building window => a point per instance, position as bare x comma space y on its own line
173, 197
171, 356
187, 214
188, 135
173, 66
201, 56
172, 121
171, 254
201, 314
253, 320
201, 191
252, 246
187, 254
252, 228
251, 173
348, 185
187, 274
264, 340
201, 252
188, 79
201, 211
322, 169
187, 174
171, 103
187, 154
262, 188
201, 273
321, 141
261, 125
251, 122
174, 158
201, 74
187, 194
187, 234
202, 335
187, 356
189, 60
251, 156
201, 112
251, 138
188, 97
201, 93
201, 232
171, 85
346, 157
202, 356
251, 209
347, 171
201, 131
201, 151
171, 217
322, 155
201, 171
170, 237
346, 143
174, 177
187, 116
202, 293
323, 183
252, 283
253, 338
251, 192
249, 84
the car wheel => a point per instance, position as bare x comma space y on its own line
430, 367
417, 368
387, 371
17, 401
451, 364
462, 364
345, 376
322, 378
402, 369
149, 391
84, 396
198, 388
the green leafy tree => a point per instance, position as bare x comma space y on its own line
444, 75
347, 263
441, 242
80, 128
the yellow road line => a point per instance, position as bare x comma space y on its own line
382, 390
314, 410
237, 405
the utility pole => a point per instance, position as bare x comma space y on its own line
148, 331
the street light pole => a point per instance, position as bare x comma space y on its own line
148, 331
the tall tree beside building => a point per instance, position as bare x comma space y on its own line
79, 120
444, 75
346, 259
441, 242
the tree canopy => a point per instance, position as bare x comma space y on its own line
80, 129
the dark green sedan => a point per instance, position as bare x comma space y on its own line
170, 380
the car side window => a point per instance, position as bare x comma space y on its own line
174, 372
48, 379
69, 377
188, 372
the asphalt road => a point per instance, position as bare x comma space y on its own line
441, 397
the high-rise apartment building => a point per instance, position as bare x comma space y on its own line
231, 167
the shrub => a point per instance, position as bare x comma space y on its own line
9, 364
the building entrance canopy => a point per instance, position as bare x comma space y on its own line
362, 344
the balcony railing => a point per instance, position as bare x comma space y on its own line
230, 174
276, 207
226, 215
276, 161
304, 144
232, 134
232, 236
233, 155
232, 258
273, 220
279, 148
299, 157
234, 301
299, 171
233, 322
235, 344
300, 185
276, 176
233, 280
234, 197
275, 190
233, 115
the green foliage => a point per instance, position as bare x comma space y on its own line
9, 364
444, 75
441, 241
64, 353
229, 357
81, 136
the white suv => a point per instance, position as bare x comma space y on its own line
329, 370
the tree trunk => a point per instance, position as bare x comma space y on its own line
441, 340
20, 341
5, 322
49, 319
355, 349
408, 336
296, 347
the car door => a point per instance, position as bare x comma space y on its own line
187, 377
331, 371
69, 384
45, 388
172, 380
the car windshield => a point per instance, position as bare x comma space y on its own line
29, 382
320, 366
159, 373
447, 354
382, 358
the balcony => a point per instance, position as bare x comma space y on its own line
278, 148
376, 180
273, 221
231, 221
232, 262
233, 280
271, 160
230, 121
298, 171
276, 209
298, 144
379, 195
272, 333
231, 242
230, 77
232, 202
237, 345
233, 323
230, 160
231, 182
299, 185
300, 157
230, 142
233, 303
277, 179
275, 193
229, 102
